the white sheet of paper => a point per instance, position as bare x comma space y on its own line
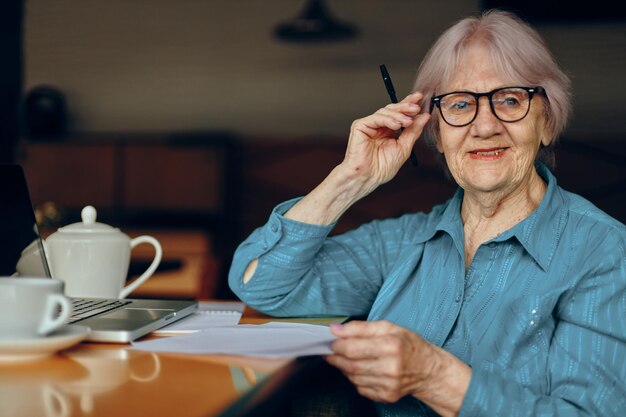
270, 340
209, 314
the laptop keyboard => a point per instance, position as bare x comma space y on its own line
86, 307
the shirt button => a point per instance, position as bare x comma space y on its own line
274, 228
458, 297
492, 245
264, 246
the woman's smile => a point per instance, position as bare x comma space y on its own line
488, 154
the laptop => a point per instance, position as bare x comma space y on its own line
110, 320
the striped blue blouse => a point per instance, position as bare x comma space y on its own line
540, 314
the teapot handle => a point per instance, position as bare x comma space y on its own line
148, 272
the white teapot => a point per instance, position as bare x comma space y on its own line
93, 258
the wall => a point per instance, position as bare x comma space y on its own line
137, 65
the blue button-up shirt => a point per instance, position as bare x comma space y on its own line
539, 315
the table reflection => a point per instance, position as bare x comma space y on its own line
108, 369
28, 389
104, 380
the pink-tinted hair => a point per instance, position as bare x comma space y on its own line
517, 51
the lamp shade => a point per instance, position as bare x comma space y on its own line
315, 24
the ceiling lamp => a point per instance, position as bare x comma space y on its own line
315, 24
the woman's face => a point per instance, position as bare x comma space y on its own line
490, 155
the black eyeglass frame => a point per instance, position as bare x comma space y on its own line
436, 101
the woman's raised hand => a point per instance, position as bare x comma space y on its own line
378, 146
380, 143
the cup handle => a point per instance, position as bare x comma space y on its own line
50, 323
148, 272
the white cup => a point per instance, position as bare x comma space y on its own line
32, 307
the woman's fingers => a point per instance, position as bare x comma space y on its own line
380, 143
401, 111
389, 119
358, 348
359, 328
378, 379
373, 367
394, 116
368, 340
413, 132
414, 97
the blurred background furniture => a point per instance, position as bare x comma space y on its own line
182, 188
189, 268
201, 197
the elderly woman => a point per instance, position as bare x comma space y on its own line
507, 300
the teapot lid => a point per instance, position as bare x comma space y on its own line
89, 224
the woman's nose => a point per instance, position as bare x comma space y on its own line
486, 123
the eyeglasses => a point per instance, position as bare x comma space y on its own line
509, 104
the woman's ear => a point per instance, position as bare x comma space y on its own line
546, 139
435, 130
546, 135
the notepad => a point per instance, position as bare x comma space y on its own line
209, 314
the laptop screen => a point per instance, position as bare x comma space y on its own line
19, 234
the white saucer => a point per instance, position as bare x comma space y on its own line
38, 348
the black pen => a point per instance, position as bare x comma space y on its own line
392, 95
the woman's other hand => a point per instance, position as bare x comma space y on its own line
380, 143
386, 362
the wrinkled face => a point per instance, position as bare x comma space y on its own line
489, 154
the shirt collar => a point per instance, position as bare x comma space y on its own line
539, 233
448, 221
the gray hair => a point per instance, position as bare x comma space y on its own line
516, 50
